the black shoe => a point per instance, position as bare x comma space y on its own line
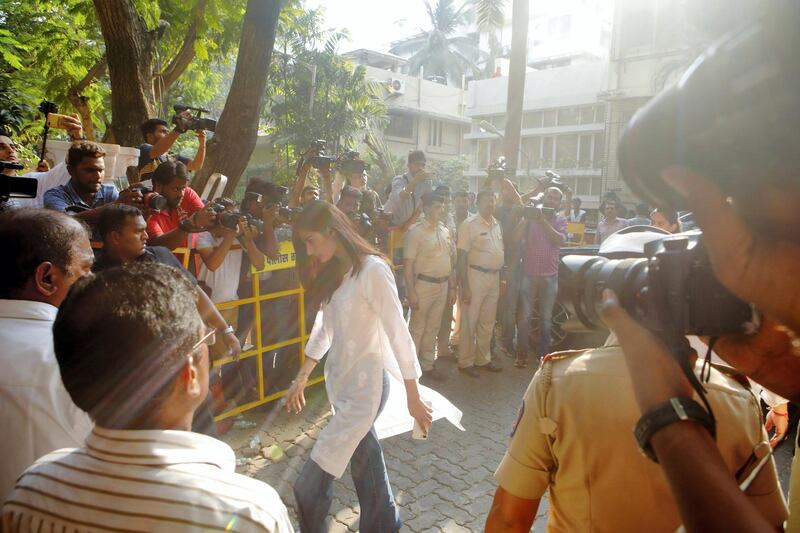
470, 371
491, 367
434, 375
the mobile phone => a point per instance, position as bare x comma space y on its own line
418, 433
56, 121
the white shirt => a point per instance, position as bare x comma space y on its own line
37, 415
143, 480
54, 177
224, 281
364, 329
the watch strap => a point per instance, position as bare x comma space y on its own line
664, 414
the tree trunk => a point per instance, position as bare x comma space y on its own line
516, 82
229, 150
79, 102
129, 52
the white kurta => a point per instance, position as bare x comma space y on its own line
363, 330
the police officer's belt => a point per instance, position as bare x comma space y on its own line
485, 270
431, 279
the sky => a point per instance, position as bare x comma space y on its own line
373, 24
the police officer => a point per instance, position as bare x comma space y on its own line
429, 276
573, 438
480, 259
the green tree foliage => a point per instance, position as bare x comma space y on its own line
315, 93
490, 17
440, 50
53, 49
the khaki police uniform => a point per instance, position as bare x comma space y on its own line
574, 437
483, 243
429, 249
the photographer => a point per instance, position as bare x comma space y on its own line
158, 140
405, 200
185, 213
85, 195
355, 172
47, 178
572, 438
542, 232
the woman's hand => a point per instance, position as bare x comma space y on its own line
421, 412
296, 398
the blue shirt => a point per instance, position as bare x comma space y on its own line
64, 196
145, 161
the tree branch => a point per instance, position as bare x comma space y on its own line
79, 102
185, 55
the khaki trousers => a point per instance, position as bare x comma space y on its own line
426, 319
477, 319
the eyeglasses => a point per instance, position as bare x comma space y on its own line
209, 339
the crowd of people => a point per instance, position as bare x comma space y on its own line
108, 392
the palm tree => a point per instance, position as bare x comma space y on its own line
438, 50
490, 18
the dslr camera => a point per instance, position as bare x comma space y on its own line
194, 122
321, 160
350, 163
672, 291
230, 220
535, 210
16, 186
151, 199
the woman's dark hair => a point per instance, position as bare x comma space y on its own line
121, 338
669, 214
322, 280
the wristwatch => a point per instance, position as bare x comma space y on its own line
227, 329
664, 414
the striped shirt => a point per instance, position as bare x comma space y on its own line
142, 480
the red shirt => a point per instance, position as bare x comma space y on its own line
167, 220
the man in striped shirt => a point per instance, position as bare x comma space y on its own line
133, 353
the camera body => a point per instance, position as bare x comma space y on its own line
151, 199
288, 213
672, 291
350, 163
321, 160
16, 186
225, 218
195, 122
535, 211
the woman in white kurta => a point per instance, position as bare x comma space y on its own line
360, 325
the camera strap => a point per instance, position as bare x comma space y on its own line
680, 349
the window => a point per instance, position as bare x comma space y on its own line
532, 119
585, 151
599, 150
568, 116
482, 160
435, 132
546, 157
549, 118
596, 186
567, 151
400, 126
531, 148
583, 187
587, 115
600, 115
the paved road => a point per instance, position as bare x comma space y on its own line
442, 484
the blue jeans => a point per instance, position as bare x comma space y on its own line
313, 489
539, 290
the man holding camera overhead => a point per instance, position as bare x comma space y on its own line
543, 230
158, 140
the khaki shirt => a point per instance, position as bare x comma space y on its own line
574, 437
483, 241
430, 250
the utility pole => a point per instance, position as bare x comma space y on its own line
516, 83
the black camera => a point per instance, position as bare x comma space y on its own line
350, 163
536, 211
255, 222
224, 218
288, 213
731, 117
151, 199
274, 195
16, 186
672, 291
195, 122
321, 160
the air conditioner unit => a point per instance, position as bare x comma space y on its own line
398, 86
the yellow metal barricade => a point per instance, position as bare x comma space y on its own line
286, 259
